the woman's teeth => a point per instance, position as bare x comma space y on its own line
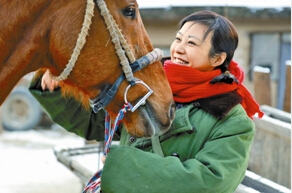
180, 61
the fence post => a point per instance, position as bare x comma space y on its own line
262, 85
287, 99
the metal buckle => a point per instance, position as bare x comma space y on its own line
141, 101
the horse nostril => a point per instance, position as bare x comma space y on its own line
172, 111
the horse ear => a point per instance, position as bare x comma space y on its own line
163, 59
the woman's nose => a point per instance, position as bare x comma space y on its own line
179, 48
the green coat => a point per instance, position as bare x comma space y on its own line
202, 154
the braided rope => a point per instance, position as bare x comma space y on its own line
123, 40
93, 185
111, 26
80, 42
109, 131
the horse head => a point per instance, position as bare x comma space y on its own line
49, 37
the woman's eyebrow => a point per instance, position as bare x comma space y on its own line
190, 36
195, 37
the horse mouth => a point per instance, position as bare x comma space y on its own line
153, 125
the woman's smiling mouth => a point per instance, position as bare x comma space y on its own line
180, 61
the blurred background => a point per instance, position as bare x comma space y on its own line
28, 138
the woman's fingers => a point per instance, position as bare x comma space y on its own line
103, 159
48, 83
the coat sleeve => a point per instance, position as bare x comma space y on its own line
69, 113
219, 166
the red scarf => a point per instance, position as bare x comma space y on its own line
189, 84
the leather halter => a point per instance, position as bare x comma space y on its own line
123, 51
126, 57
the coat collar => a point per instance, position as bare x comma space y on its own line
217, 106
181, 122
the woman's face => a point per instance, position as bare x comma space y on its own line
190, 49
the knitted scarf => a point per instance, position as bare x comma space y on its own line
189, 84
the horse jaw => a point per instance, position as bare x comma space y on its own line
71, 90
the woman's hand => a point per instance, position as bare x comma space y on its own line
103, 159
48, 82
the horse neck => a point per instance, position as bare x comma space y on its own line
14, 48
24, 39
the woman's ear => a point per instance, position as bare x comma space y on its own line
219, 59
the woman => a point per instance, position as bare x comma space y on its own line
207, 147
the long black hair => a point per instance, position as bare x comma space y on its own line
224, 39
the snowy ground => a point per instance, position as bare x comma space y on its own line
28, 163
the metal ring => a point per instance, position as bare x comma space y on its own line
143, 100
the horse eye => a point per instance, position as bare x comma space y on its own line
129, 12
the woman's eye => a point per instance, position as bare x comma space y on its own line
129, 12
177, 38
192, 43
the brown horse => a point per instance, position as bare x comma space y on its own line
41, 35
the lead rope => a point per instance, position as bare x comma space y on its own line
94, 183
